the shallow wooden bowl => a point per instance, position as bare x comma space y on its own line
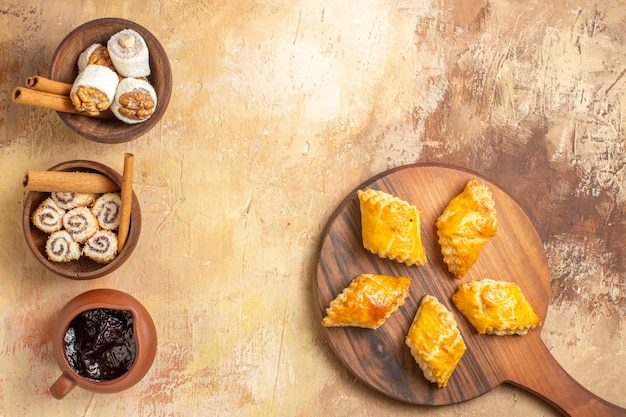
64, 68
83, 268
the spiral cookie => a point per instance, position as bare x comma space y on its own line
101, 247
48, 217
107, 209
81, 223
60, 247
69, 201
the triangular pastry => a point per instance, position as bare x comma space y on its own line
495, 307
367, 302
465, 225
391, 228
435, 341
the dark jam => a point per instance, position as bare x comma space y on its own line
100, 344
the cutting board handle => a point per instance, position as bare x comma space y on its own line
553, 384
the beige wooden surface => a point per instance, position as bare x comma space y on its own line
279, 109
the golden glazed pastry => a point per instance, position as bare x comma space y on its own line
367, 302
391, 228
495, 307
465, 225
435, 341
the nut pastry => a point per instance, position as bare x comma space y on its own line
391, 228
367, 302
465, 225
94, 89
495, 307
435, 341
135, 101
95, 54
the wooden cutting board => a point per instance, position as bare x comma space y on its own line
381, 359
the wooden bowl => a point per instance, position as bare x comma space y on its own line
64, 68
84, 268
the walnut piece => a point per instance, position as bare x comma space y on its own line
100, 56
90, 100
136, 105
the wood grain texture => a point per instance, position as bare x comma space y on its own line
278, 111
381, 359
83, 268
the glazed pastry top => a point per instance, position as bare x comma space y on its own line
368, 301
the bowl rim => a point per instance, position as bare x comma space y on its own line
144, 328
132, 131
58, 268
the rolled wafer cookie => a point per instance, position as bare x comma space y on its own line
129, 53
108, 209
48, 217
68, 201
61, 247
80, 223
101, 247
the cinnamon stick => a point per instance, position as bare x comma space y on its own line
68, 182
126, 196
27, 96
39, 83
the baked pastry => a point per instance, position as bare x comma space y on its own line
465, 225
367, 302
81, 223
95, 54
135, 101
94, 89
435, 341
108, 210
61, 247
495, 307
48, 217
391, 228
101, 247
68, 201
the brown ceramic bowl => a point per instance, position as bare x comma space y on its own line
84, 268
144, 334
64, 68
